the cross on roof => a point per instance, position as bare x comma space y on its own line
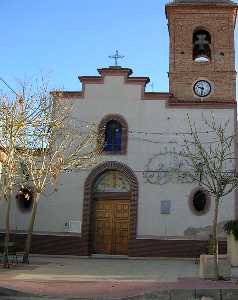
202, 41
116, 57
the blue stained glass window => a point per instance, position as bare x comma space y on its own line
113, 136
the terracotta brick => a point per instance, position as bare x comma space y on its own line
76, 245
219, 21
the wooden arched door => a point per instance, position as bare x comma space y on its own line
111, 215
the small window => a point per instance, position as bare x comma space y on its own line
113, 135
201, 46
112, 181
115, 129
199, 201
25, 198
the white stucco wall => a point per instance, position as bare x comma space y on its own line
116, 97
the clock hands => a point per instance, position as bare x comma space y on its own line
202, 90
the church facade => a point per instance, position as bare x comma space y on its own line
133, 202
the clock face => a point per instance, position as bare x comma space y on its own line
202, 88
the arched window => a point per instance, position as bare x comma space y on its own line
112, 181
115, 130
201, 46
113, 135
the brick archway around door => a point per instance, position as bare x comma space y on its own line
88, 199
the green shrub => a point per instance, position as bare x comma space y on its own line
232, 227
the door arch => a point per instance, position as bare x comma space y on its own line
111, 213
88, 207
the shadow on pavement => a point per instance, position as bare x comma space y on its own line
9, 292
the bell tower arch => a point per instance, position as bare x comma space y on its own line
202, 54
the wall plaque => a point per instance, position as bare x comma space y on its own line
165, 207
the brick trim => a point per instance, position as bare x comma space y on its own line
112, 71
174, 103
115, 71
172, 248
156, 96
68, 94
169, 8
88, 199
73, 245
124, 137
170, 100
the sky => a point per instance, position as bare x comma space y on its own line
64, 39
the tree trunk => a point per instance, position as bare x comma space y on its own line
215, 239
7, 232
27, 249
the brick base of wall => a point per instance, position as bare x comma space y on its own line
74, 245
172, 248
51, 244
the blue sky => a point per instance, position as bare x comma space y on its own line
63, 39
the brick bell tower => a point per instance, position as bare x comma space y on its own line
202, 54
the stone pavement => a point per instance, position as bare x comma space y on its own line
178, 294
71, 277
93, 269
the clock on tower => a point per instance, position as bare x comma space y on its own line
202, 56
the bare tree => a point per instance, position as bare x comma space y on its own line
52, 144
38, 141
213, 165
13, 121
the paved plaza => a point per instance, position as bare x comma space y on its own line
104, 278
